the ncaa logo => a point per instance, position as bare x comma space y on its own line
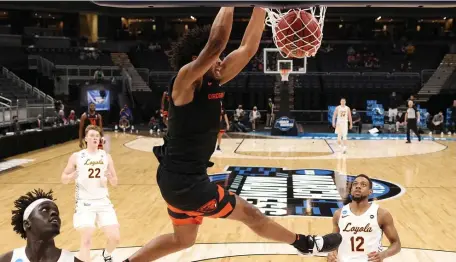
284, 124
300, 192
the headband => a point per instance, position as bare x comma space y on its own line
33, 205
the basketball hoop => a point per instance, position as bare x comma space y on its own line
298, 32
285, 73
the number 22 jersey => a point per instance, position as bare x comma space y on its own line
361, 235
91, 169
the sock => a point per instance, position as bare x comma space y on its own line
106, 253
301, 243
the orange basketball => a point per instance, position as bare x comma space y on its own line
298, 34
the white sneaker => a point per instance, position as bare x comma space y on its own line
344, 149
449, 133
430, 133
441, 134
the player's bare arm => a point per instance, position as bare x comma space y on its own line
81, 129
334, 116
350, 118
386, 222
70, 173
111, 175
227, 122
100, 124
332, 256
6, 257
239, 58
218, 38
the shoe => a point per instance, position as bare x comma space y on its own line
408, 142
310, 245
106, 258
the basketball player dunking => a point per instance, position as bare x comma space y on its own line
37, 220
90, 118
362, 225
164, 107
91, 169
343, 115
194, 122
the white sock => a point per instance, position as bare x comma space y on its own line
106, 253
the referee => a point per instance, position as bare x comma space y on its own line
412, 117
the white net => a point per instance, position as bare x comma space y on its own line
297, 34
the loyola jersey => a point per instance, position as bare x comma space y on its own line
19, 255
342, 115
361, 235
91, 168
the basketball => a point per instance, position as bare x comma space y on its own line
298, 34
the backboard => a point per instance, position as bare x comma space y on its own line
273, 62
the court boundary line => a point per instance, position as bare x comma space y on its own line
276, 243
332, 150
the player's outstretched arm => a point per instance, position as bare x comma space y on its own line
386, 222
70, 173
239, 58
112, 175
218, 39
332, 256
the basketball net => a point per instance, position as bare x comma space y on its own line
275, 16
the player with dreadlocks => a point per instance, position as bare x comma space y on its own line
182, 176
36, 219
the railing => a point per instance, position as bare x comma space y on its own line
27, 87
127, 85
25, 112
6, 101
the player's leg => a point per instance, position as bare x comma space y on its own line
267, 228
112, 234
84, 223
107, 220
86, 234
219, 139
184, 236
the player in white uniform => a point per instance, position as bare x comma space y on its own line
362, 225
37, 220
341, 117
91, 168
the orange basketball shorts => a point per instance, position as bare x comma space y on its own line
190, 198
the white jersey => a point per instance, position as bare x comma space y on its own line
91, 169
19, 255
361, 235
342, 115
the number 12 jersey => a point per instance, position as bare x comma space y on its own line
361, 235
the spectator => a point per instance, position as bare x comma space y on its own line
99, 75
437, 123
356, 118
239, 114
61, 118
254, 117
409, 51
72, 117
155, 122
393, 104
125, 111
124, 123
270, 113
39, 122
15, 126
400, 120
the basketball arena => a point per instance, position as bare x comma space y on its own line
384, 69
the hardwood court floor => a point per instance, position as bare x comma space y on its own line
424, 214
